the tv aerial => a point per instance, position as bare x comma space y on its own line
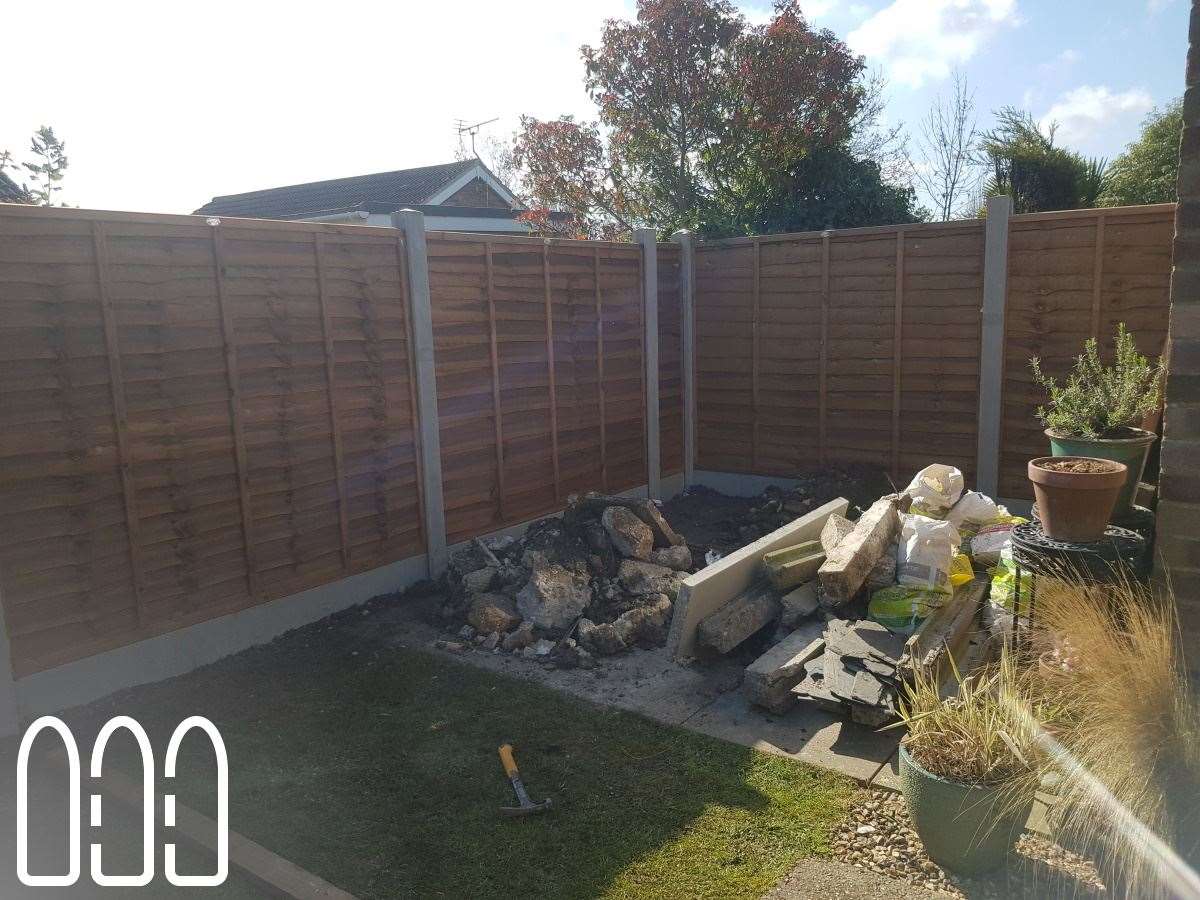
465, 127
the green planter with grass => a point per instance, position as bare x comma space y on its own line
966, 828
1099, 411
968, 765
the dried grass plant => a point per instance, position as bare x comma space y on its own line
971, 737
1129, 719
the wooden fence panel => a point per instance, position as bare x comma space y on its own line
939, 396
196, 419
724, 301
670, 361
1071, 276
539, 373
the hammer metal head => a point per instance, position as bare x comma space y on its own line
531, 810
527, 807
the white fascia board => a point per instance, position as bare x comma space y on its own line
476, 171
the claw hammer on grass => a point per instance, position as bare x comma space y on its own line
527, 807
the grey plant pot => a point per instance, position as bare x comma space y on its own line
965, 828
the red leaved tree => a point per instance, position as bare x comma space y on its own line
699, 111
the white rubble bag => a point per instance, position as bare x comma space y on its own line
935, 489
926, 553
972, 510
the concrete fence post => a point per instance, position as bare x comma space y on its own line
687, 314
9, 718
991, 345
647, 239
420, 315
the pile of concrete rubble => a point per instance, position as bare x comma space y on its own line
597, 581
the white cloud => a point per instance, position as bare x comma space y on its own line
1085, 111
1157, 6
919, 40
1070, 56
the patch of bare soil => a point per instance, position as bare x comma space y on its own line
710, 520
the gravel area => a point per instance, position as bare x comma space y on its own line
877, 836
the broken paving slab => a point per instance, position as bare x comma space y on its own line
792, 566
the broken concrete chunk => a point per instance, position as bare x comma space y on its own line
664, 534
738, 619
644, 626
480, 580
770, 678
543, 647
602, 640
467, 632
491, 642
630, 535
493, 612
797, 604
847, 565
677, 558
554, 598
835, 531
646, 578
520, 638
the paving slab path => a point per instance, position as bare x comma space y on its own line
704, 698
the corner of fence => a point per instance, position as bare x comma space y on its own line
687, 327
647, 239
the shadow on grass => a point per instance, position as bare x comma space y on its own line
377, 770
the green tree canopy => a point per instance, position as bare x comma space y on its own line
1038, 174
828, 188
1146, 171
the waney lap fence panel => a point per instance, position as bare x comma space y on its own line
539, 372
853, 346
1071, 276
195, 419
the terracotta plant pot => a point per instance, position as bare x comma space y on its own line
1131, 450
1076, 496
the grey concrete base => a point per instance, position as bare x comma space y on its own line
177, 652
737, 484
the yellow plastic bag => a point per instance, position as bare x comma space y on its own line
902, 609
961, 570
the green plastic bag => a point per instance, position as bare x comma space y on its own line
901, 609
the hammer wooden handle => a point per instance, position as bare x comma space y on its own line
506, 760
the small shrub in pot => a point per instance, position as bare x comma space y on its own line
1099, 410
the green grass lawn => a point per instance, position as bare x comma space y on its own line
377, 770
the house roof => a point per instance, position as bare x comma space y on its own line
10, 191
382, 192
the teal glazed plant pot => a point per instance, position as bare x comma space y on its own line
1132, 451
967, 829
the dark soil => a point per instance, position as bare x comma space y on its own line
710, 520
1078, 466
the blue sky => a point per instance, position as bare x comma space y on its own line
165, 104
1095, 66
